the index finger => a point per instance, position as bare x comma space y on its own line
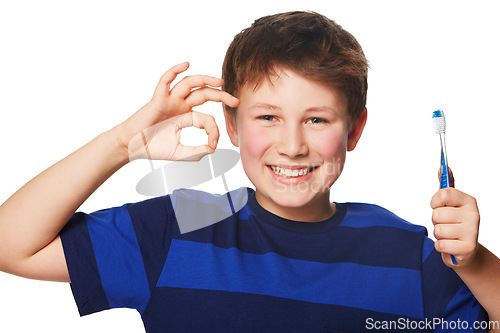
451, 197
202, 121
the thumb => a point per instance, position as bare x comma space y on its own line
452, 179
191, 153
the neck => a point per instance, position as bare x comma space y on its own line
319, 210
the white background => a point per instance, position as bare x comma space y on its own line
70, 70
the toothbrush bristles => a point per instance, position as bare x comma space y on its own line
439, 122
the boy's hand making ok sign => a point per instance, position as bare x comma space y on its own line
153, 132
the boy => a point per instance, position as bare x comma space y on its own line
288, 259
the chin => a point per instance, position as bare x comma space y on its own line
293, 198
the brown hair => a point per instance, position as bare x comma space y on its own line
306, 42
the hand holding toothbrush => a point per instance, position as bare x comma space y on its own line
456, 228
456, 225
455, 216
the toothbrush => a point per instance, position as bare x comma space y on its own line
440, 128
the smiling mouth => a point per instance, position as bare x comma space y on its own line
291, 173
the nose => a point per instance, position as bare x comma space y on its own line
292, 142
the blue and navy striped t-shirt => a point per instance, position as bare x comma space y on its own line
197, 262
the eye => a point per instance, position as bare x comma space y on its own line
316, 120
267, 117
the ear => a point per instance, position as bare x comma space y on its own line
231, 127
356, 131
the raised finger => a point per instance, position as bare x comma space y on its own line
202, 95
169, 76
184, 87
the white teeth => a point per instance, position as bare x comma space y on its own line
289, 172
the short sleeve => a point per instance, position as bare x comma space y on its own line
114, 256
446, 297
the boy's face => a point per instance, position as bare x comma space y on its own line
293, 136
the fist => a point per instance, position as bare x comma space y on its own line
456, 225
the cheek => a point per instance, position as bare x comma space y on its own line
253, 146
332, 149
254, 142
331, 145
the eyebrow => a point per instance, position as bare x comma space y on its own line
273, 107
264, 106
322, 109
